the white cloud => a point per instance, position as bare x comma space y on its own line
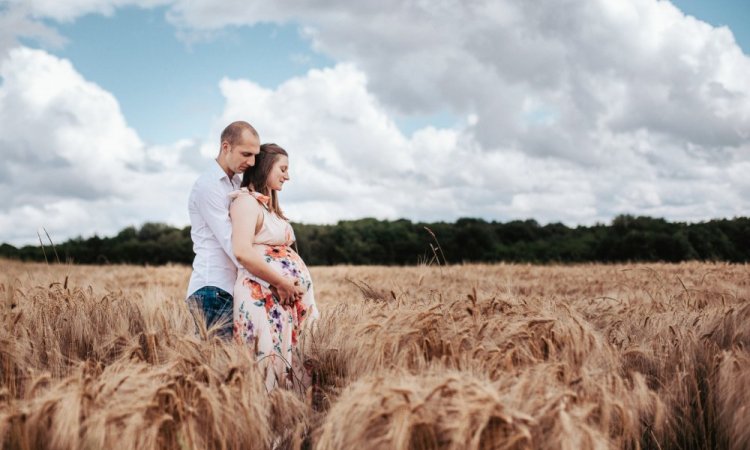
54, 120
623, 95
15, 23
349, 160
71, 163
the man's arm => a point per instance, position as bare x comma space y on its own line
211, 205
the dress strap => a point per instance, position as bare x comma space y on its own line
262, 199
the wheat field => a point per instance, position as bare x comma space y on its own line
450, 357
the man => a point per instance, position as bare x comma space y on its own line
215, 267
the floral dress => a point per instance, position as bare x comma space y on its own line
260, 321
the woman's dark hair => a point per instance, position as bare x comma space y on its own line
256, 177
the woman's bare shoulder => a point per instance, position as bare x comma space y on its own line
242, 200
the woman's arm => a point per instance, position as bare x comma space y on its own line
244, 213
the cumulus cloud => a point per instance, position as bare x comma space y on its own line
15, 23
593, 63
349, 160
634, 101
71, 163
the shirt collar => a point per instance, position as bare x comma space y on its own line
220, 174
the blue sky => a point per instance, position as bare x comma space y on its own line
734, 14
494, 109
168, 87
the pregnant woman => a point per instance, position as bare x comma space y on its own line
269, 320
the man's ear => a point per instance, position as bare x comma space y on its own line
225, 146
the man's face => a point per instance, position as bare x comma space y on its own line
241, 156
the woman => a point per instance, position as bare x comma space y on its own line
261, 241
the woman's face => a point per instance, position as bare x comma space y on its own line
279, 173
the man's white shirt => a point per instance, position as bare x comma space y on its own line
211, 231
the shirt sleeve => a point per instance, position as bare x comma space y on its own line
212, 206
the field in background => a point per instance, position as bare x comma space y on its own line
466, 356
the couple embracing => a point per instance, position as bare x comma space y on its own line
247, 281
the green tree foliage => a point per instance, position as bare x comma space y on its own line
402, 242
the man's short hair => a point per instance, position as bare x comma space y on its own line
233, 132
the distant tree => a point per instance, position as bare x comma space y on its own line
372, 241
8, 251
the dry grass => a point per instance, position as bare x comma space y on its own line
474, 356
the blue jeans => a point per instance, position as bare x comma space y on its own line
215, 306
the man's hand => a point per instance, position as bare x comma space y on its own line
288, 292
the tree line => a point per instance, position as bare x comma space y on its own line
402, 242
